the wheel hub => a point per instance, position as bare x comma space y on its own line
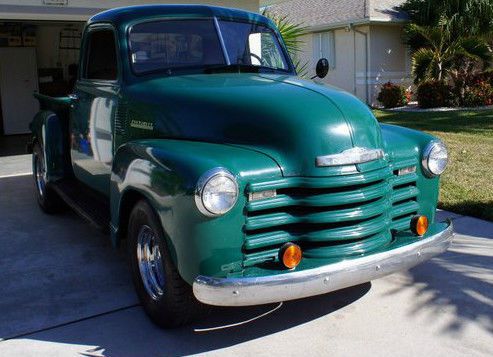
150, 263
40, 171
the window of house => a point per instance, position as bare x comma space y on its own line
324, 47
101, 63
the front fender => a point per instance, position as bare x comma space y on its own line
407, 145
166, 172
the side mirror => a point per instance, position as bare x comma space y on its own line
322, 68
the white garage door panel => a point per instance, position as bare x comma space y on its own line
18, 81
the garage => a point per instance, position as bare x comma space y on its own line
39, 49
35, 56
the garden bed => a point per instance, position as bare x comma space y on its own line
413, 107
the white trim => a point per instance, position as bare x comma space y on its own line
382, 74
377, 81
360, 22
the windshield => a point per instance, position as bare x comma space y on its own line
169, 45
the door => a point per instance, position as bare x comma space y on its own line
95, 99
18, 82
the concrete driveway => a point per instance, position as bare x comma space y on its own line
65, 291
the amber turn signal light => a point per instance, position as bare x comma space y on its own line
290, 255
419, 225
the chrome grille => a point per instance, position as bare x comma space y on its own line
404, 195
330, 217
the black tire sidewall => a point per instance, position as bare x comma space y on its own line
49, 202
166, 310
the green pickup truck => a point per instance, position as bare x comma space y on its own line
232, 182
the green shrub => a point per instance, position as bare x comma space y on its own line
485, 76
434, 94
478, 94
392, 95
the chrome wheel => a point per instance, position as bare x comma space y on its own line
150, 264
39, 174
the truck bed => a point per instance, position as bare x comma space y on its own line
55, 104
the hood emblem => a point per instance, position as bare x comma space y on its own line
351, 156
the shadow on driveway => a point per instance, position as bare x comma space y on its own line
460, 281
63, 285
131, 333
63, 282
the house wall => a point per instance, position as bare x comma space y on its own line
365, 57
347, 43
389, 60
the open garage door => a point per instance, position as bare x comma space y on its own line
18, 81
34, 56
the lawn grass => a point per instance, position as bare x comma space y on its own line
467, 184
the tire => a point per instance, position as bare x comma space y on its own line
165, 296
47, 199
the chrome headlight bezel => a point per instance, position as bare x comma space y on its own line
427, 152
202, 183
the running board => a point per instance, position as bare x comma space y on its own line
90, 205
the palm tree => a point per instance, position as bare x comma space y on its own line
465, 17
291, 33
441, 55
449, 40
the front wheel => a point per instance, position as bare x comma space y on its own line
165, 296
47, 199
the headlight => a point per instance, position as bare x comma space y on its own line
216, 193
435, 159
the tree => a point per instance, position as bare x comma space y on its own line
291, 33
449, 40
464, 17
442, 55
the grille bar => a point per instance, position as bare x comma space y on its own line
404, 193
322, 200
405, 208
330, 217
321, 182
404, 179
349, 249
341, 215
351, 232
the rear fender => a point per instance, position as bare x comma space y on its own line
51, 133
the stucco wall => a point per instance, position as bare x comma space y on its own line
389, 60
365, 57
346, 64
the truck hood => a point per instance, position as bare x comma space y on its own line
291, 120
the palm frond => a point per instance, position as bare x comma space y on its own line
475, 48
291, 32
423, 64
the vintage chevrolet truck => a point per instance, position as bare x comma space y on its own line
231, 181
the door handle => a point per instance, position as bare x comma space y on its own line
74, 97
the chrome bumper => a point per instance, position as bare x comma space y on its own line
310, 282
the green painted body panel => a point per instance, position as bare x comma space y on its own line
50, 129
281, 116
166, 173
267, 130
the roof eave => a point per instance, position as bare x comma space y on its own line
355, 22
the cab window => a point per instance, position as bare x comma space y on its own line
101, 63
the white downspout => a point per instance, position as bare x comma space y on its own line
367, 94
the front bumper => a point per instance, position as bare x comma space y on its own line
310, 282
